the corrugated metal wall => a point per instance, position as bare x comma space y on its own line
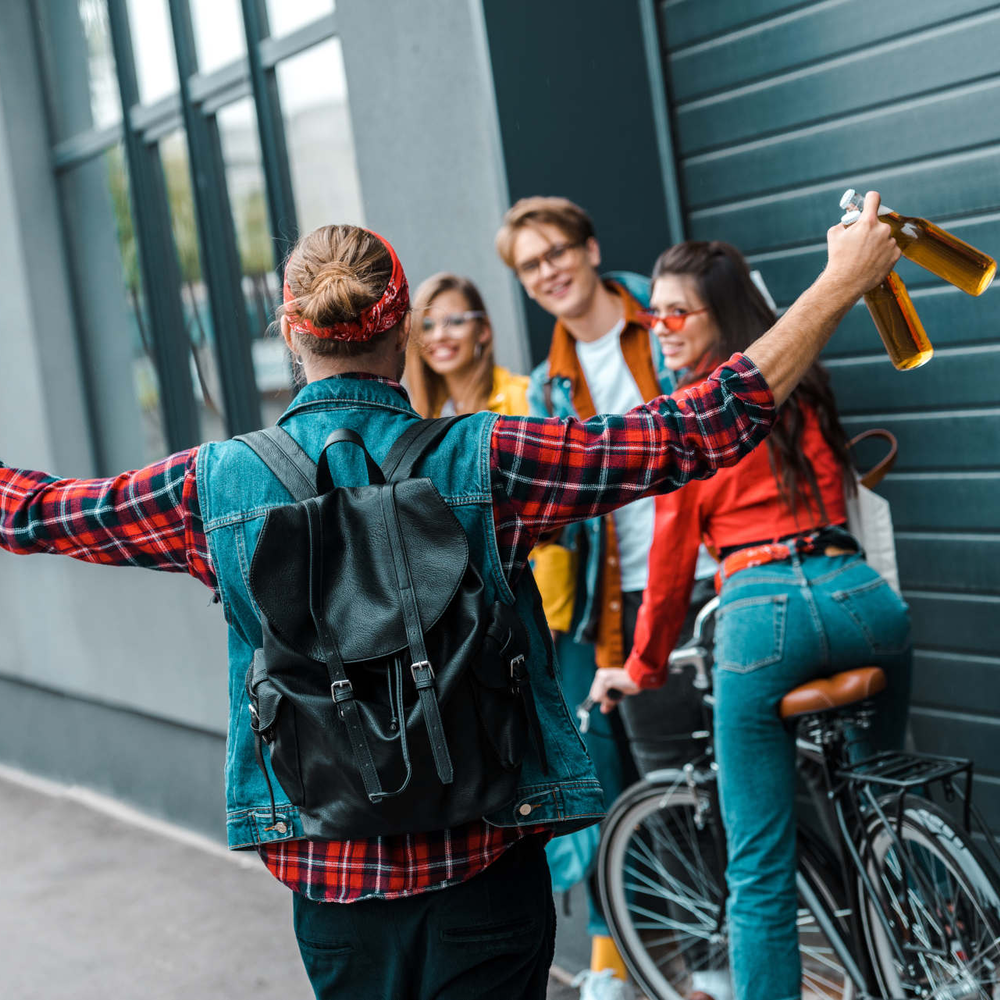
777, 108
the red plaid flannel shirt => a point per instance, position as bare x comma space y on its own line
551, 471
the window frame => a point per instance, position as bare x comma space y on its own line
192, 108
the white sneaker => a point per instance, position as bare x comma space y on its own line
603, 985
715, 983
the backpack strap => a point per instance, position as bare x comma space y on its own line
413, 444
421, 668
284, 456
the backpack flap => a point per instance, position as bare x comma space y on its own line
360, 594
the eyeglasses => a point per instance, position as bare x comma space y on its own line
555, 256
450, 323
673, 321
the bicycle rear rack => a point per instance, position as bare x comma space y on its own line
902, 771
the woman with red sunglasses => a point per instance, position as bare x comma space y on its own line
797, 602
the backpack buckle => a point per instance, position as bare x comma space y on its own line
342, 690
422, 666
516, 673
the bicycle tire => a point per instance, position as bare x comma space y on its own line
954, 957
669, 924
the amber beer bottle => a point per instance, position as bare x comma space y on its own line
898, 324
932, 247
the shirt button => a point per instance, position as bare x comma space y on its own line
612, 561
525, 809
614, 605
281, 827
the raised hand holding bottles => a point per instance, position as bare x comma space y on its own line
934, 248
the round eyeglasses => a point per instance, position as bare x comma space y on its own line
450, 324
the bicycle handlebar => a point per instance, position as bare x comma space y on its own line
693, 653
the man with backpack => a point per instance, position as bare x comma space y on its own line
457, 903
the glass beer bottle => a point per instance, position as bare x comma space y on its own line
932, 247
898, 324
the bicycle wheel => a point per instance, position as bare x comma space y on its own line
662, 884
944, 908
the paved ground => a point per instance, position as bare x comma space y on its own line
94, 906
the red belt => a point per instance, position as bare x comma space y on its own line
753, 555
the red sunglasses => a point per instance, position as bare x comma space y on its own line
672, 321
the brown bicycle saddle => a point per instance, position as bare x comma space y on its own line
841, 689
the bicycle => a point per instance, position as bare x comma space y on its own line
897, 901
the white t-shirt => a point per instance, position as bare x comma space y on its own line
614, 390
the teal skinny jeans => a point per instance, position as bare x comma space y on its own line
780, 625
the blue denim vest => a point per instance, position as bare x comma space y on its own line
560, 393
236, 491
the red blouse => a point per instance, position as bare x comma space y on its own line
737, 505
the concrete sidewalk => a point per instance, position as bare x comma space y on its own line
98, 902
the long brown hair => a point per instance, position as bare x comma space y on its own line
741, 315
428, 390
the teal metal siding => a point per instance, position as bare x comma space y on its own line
776, 109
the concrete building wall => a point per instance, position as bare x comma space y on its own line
427, 140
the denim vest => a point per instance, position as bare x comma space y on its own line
560, 394
236, 491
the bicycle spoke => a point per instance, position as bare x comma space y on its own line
688, 900
683, 857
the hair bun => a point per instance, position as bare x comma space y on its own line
337, 295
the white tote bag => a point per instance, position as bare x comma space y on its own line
869, 518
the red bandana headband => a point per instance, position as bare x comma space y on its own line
373, 320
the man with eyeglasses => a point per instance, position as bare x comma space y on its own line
603, 359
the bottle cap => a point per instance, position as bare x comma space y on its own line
848, 217
848, 197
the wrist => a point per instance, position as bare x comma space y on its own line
838, 287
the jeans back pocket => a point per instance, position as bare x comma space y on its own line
879, 613
751, 633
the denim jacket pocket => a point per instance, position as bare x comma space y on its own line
751, 633
880, 614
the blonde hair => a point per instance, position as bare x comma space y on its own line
562, 213
428, 390
335, 272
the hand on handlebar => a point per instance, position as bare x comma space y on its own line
610, 684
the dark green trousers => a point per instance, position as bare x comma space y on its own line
490, 938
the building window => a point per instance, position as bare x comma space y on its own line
176, 351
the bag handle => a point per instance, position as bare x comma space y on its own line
878, 472
343, 435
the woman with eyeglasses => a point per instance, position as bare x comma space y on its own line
797, 602
450, 368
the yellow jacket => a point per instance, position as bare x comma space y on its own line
554, 566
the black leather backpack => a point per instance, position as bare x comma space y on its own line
391, 696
